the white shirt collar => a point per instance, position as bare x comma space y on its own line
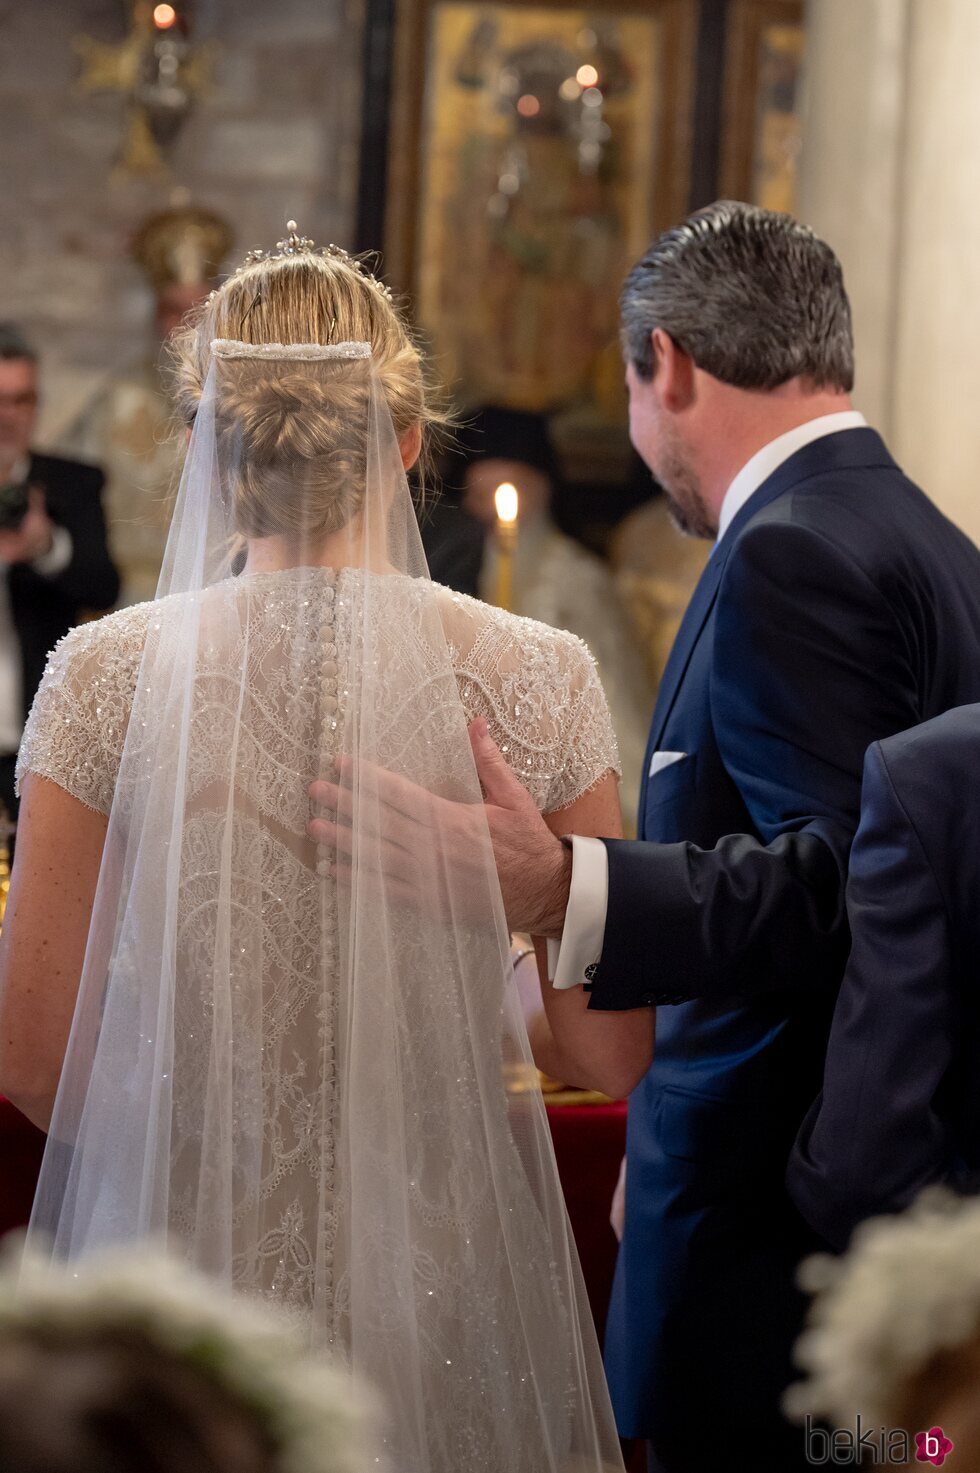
771, 457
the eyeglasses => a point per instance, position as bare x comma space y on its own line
27, 400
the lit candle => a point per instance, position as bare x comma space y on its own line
505, 500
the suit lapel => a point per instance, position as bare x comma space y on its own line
702, 602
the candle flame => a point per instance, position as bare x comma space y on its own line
505, 500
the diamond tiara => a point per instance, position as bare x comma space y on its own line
294, 244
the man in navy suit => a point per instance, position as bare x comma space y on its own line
838, 607
900, 1108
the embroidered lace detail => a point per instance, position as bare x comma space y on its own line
539, 690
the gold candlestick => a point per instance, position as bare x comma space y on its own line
6, 833
506, 501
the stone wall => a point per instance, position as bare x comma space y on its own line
890, 178
276, 136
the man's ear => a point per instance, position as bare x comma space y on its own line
673, 372
410, 446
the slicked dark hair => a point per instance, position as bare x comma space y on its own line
13, 344
753, 297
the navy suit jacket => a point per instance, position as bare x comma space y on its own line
900, 1108
840, 607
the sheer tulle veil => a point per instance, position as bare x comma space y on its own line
311, 1090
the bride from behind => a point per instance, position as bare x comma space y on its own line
248, 1044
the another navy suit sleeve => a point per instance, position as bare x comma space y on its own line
810, 664
875, 1138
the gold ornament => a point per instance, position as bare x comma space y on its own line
159, 76
185, 245
7, 829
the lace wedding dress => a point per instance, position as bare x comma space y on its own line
329, 1116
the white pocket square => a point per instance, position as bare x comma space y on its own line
660, 760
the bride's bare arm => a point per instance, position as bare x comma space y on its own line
42, 946
606, 1051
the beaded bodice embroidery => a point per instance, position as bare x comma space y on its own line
537, 688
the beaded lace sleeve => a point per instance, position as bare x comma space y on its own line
540, 693
77, 726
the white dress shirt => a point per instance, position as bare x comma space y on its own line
588, 896
57, 558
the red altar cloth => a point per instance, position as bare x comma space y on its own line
589, 1144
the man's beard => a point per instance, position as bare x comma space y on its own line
688, 509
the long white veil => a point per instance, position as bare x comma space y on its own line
312, 1090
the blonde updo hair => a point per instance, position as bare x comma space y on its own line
299, 435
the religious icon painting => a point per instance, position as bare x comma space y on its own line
542, 147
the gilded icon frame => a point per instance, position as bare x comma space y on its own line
762, 122
591, 450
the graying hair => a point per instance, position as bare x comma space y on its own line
753, 297
13, 344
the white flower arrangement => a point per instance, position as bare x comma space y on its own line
315, 1418
907, 1289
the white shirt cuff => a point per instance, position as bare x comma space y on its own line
585, 918
58, 555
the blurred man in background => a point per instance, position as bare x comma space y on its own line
54, 557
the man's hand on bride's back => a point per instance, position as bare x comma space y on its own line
415, 835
